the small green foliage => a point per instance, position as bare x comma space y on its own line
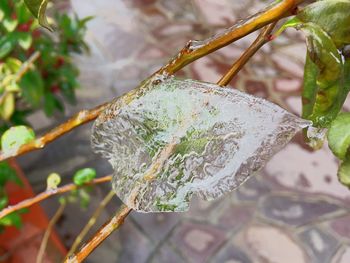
344, 172
7, 173
326, 25
16, 136
12, 219
332, 16
84, 176
53, 180
38, 9
339, 142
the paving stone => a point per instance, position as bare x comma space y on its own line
166, 254
196, 241
252, 189
230, 253
272, 245
296, 210
343, 256
157, 225
342, 226
134, 247
320, 245
234, 217
318, 169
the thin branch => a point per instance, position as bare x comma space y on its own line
80, 118
53, 221
114, 223
191, 52
262, 39
44, 195
26, 65
90, 223
194, 50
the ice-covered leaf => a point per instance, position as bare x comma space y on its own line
339, 135
171, 138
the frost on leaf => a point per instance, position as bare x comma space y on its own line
173, 138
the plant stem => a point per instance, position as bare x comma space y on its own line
194, 50
80, 118
104, 232
53, 221
188, 54
90, 223
44, 195
26, 65
261, 40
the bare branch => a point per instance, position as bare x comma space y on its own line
194, 50
52, 223
80, 118
261, 40
90, 223
44, 195
114, 223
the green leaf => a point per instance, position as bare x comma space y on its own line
7, 173
32, 87
332, 16
51, 103
12, 219
84, 176
3, 201
53, 180
16, 136
326, 77
7, 107
10, 24
6, 45
173, 138
38, 9
25, 40
344, 172
339, 135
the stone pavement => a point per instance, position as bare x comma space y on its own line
294, 211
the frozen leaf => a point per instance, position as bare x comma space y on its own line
171, 138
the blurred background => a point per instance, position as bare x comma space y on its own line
294, 211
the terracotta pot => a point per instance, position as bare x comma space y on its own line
22, 245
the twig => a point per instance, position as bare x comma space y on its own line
46, 237
90, 223
44, 195
26, 65
80, 118
194, 50
261, 40
188, 54
101, 235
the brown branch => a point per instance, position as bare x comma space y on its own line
114, 223
44, 195
26, 65
48, 231
194, 50
191, 52
90, 223
80, 118
262, 39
